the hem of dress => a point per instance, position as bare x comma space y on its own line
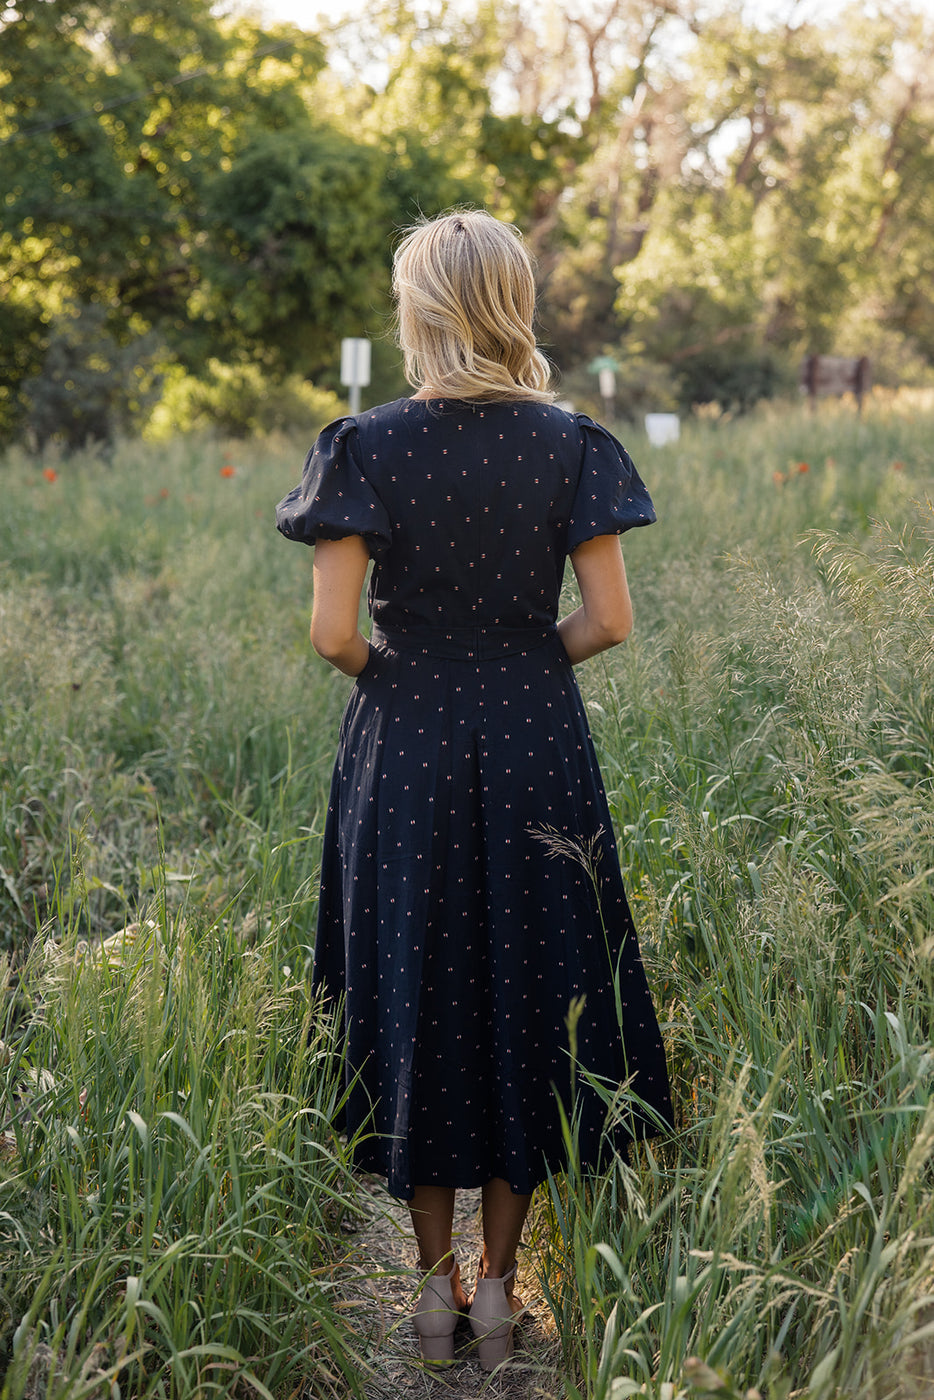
614, 1144
475, 1183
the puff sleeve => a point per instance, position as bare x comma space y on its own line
334, 498
611, 496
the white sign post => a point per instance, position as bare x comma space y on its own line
607, 381
355, 369
605, 367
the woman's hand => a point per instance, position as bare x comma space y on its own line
339, 574
604, 617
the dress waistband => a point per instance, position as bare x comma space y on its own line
462, 643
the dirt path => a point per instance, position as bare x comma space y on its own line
388, 1247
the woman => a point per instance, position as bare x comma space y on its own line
457, 936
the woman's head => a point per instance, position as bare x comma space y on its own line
466, 301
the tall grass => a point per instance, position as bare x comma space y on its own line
771, 765
172, 1188
173, 1206
158, 693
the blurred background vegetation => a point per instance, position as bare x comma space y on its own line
198, 202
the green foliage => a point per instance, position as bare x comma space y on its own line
172, 1223
785, 242
155, 682
240, 401
171, 1190
173, 176
715, 194
642, 386
705, 272
22, 350
101, 108
736, 379
527, 153
304, 243
169, 168
90, 389
770, 734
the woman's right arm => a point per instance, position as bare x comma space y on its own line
339, 575
604, 617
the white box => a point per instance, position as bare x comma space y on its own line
662, 428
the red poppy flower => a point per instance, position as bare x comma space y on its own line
50, 473
803, 467
228, 470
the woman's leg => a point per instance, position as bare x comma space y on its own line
432, 1209
494, 1303
503, 1218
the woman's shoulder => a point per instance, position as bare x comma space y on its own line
383, 413
526, 410
446, 414
352, 422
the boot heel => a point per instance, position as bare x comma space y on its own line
437, 1350
493, 1351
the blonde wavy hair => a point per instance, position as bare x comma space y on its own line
465, 298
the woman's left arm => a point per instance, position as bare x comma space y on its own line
604, 618
339, 574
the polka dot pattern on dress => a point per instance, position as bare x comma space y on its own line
456, 938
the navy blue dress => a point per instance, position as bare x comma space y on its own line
457, 931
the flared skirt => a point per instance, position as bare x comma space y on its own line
474, 923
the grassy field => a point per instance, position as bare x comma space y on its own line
174, 1205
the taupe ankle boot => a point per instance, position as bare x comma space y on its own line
436, 1315
492, 1320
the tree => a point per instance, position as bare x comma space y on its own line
300, 254
174, 168
114, 123
89, 387
700, 190
769, 245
